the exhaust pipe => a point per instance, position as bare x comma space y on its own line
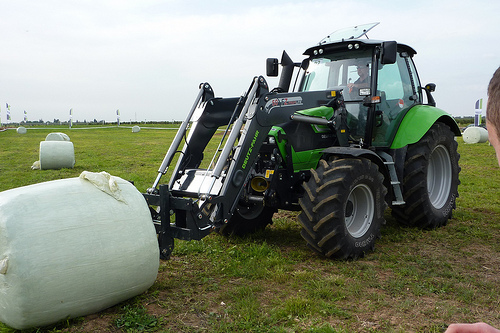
287, 72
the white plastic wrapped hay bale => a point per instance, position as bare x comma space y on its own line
475, 134
21, 130
135, 129
56, 155
68, 249
57, 136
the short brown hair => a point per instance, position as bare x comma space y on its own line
493, 107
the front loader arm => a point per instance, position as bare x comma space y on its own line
194, 197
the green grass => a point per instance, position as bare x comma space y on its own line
415, 281
135, 318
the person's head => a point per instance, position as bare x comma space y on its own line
363, 67
363, 70
493, 112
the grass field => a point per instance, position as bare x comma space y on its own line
415, 281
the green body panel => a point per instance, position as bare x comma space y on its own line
306, 160
417, 122
303, 160
324, 112
321, 111
275, 130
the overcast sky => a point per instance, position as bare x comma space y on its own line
147, 58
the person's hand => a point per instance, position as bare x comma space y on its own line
350, 86
471, 328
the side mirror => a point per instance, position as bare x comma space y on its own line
272, 67
389, 53
430, 88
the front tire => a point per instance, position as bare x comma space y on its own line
430, 180
248, 218
343, 208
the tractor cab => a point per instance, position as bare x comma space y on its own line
378, 81
370, 85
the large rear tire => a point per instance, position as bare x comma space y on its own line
430, 180
343, 208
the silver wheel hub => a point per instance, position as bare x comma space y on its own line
359, 210
439, 175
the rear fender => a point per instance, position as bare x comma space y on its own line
417, 121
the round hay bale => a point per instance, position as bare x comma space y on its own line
57, 136
21, 130
56, 155
136, 129
475, 134
69, 249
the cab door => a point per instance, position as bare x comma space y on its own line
398, 88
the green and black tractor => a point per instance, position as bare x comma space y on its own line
348, 132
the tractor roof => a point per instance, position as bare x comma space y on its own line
349, 38
349, 44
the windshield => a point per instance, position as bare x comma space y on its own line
347, 71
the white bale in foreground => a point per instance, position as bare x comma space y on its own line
475, 134
68, 249
56, 155
57, 136
21, 130
135, 129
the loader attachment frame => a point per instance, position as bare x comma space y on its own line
196, 197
